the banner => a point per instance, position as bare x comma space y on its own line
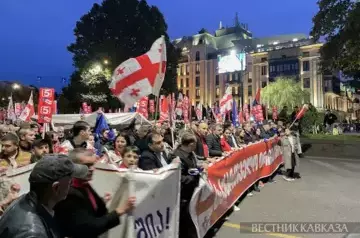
155, 215
45, 107
152, 106
229, 178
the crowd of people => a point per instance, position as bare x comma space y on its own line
62, 203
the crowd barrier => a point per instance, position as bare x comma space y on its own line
158, 194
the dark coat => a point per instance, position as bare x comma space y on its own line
199, 151
213, 142
27, 218
188, 182
77, 218
249, 138
148, 160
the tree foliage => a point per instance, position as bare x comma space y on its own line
283, 92
338, 21
114, 31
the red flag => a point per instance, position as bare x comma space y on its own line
164, 109
143, 107
46, 101
246, 112
141, 76
226, 102
185, 109
302, 112
241, 117
152, 106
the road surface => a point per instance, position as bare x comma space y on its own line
329, 191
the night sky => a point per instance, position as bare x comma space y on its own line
34, 34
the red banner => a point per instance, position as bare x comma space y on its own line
143, 107
186, 109
45, 108
229, 178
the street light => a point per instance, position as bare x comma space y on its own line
106, 62
16, 86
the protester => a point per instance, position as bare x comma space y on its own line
11, 155
130, 156
39, 149
27, 137
201, 132
225, 141
121, 142
213, 141
81, 133
154, 157
83, 213
288, 144
32, 215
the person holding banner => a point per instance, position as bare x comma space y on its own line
83, 213
190, 176
32, 214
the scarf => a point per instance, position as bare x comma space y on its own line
78, 183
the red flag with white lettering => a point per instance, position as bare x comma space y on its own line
29, 110
143, 107
141, 76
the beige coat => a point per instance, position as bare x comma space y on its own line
288, 148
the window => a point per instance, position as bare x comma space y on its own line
263, 59
187, 82
306, 54
197, 68
187, 93
250, 91
181, 83
271, 69
217, 92
250, 80
235, 76
197, 56
281, 68
227, 78
181, 69
197, 81
296, 66
233, 91
187, 70
217, 80
178, 70
197, 93
306, 82
287, 67
263, 84
263, 70
278, 68
306, 66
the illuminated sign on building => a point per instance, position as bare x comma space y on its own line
232, 62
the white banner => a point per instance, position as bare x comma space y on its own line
157, 198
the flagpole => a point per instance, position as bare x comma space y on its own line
158, 93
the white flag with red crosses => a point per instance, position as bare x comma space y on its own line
141, 76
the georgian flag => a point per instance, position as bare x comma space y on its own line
226, 102
29, 110
10, 111
141, 76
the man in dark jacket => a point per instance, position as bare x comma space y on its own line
32, 215
202, 148
249, 136
189, 181
141, 138
213, 141
154, 157
83, 213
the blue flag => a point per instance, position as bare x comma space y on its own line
234, 116
100, 124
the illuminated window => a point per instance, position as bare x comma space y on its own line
197, 56
183, 70
197, 68
197, 93
263, 59
236, 90
306, 82
217, 92
178, 71
197, 81
187, 70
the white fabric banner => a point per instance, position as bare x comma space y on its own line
157, 198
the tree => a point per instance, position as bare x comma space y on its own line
338, 21
114, 31
283, 92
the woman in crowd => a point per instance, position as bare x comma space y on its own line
121, 142
225, 145
291, 159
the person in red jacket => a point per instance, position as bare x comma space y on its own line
225, 146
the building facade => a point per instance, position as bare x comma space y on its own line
233, 58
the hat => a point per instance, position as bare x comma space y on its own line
52, 168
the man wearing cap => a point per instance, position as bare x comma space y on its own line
83, 213
31, 216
